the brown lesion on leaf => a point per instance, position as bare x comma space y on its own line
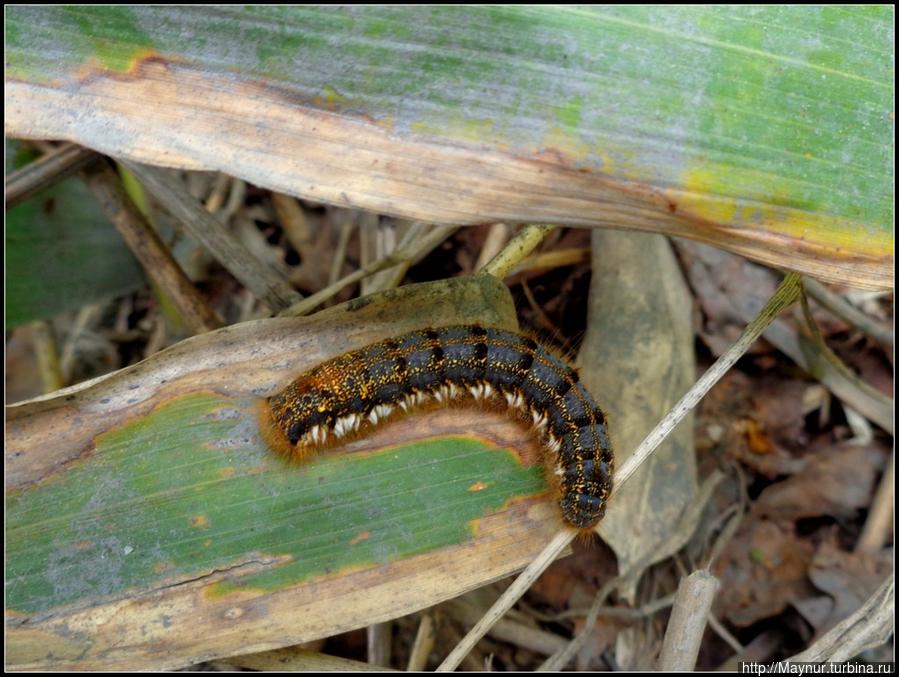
139, 66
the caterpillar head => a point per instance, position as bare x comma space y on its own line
303, 406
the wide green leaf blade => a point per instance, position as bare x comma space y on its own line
766, 130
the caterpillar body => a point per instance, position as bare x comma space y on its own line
362, 387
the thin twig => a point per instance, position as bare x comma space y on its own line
862, 430
343, 242
756, 651
368, 246
877, 527
846, 311
497, 236
727, 534
236, 198
216, 197
156, 260
392, 277
725, 634
561, 658
786, 294
555, 547
423, 644
416, 231
263, 281
511, 631
310, 303
430, 240
294, 222
384, 240
619, 613
47, 170
539, 314
87, 315
526, 241
47, 352
827, 367
378, 639
557, 258
385, 243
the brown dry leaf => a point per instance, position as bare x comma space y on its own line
837, 481
764, 569
601, 639
726, 414
573, 581
727, 288
778, 406
850, 578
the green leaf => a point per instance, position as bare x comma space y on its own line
150, 526
62, 253
766, 130
188, 489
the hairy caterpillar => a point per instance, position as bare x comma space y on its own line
362, 387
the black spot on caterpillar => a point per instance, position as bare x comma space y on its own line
360, 388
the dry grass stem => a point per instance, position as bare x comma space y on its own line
263, 281
511, 631
423, 644
878, 527
378, 638
526, 241
846, 311
688, 620
157, 261
54, 166
46, 351
496, 239
402, 254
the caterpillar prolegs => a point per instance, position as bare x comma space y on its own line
360, 388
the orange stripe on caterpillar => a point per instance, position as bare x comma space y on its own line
360, 388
